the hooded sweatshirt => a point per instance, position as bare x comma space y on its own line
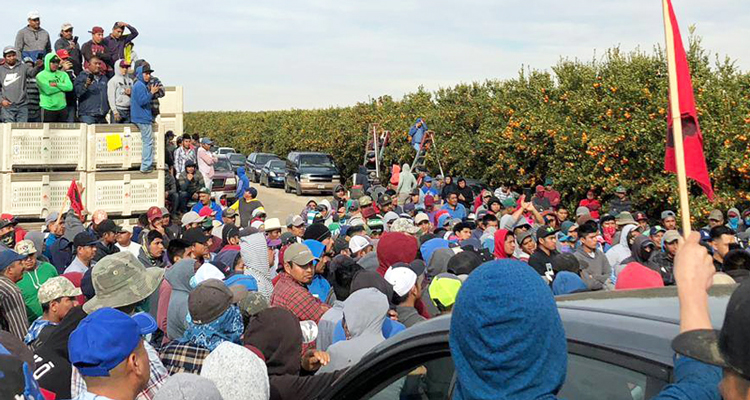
395, 247
52, 98
116, 96
13, 81
254, 252
140, 100
500, 236
407, 182
364, 312
32, 43
417, 134
516, 348
637, 276
619, 252
237, 372
179, 277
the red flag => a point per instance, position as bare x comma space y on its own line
75, 199
692, 139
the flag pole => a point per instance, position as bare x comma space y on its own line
674, 105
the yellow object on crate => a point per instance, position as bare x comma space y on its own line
114, 142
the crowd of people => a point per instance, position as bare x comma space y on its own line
100, 81
233, 304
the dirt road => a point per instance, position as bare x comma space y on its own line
279, 204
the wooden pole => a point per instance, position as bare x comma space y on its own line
674, 105
377, 150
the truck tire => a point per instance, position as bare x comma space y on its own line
298, 189
287, 189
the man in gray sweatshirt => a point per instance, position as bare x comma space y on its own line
13, 75
118, 93
33, 41
595, 269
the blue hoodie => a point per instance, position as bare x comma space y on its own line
140, 100
415, 133
507, 339
243, 184
567, 282
319, 287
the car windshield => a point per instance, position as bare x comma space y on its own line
222, 164
316, 160
262, 159
276, 165
237, 158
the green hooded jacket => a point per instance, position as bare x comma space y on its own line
52, 98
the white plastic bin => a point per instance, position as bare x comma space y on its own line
37, 146
171, 103
124, 193
171, 122
36, 194
127, 155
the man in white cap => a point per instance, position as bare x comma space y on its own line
69, 43
13, 79
33, 41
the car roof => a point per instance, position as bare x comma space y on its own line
639, 322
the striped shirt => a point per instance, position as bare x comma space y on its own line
13, 317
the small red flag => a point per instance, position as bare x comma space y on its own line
75, 199
692, 139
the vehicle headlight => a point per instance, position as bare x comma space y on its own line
273, 174
337, 177
231, 181
304, 177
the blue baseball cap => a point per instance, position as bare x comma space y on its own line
428, 178
103, 340
8, 257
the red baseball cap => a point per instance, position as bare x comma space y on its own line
154, 213
97, 29
206, 212
62, 54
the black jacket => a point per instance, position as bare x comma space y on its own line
103, 250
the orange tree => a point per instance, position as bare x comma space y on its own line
599, 123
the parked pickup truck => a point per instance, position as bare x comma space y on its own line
310, 172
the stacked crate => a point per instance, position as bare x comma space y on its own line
38, 162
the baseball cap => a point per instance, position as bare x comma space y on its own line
727, 348
51, 217
259, 211
524, 235
640, 216
671, 236
716, 215
294, 220
401, 277
299, 254
25, 248
272, 224
418, 266
66, 26
209, 300
206, 140
195, 235
666, 214
107, 226
229, 212
55, 288
96, 29
358, 243
421, 217
103, 340
154, 213
125, 64
84, 239
385, 200
656, 229
508, 202
545, 231
429, 201
204, 190
229, 231
443, 290
8, 257
32, 15
620, 189
9, 49
62, 54
375, 224
120, 279
427, 178
191, 217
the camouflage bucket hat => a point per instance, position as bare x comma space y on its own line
55, 288
252, 304
404, 225
120, 280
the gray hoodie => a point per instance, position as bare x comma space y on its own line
31, 43
179, 277
13, 81
118, 99
364, 312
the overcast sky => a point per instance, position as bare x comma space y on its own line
264, 55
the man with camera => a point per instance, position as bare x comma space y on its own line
91, 90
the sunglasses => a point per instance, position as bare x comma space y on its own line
54, 61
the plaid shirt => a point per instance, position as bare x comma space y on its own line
181, 156
289, 294
183, 357
158, 376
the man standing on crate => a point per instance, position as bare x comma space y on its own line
53, 82
91, 90
13, 75
140, 114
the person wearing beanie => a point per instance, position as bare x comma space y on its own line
238, 372
185, 386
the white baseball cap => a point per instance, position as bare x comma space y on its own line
401, 278
33, 15
358, 243
421, 217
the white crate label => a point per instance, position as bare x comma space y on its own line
16, 149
